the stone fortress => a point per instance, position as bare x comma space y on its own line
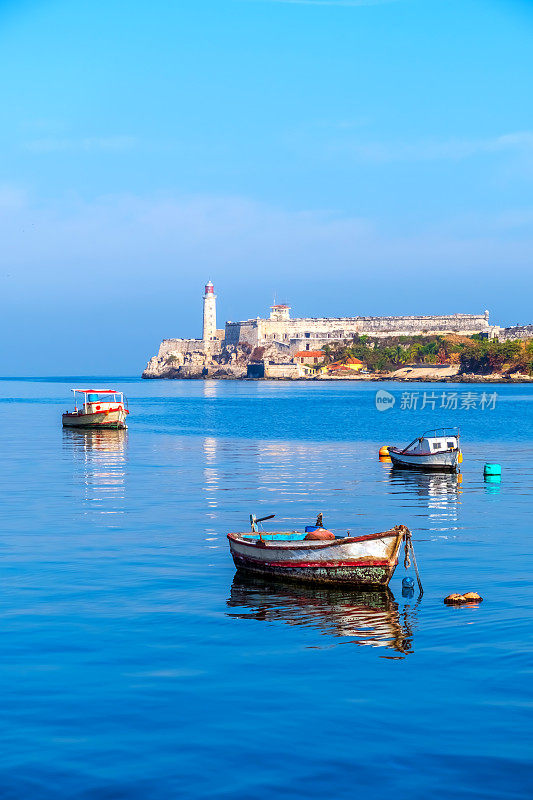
314, 333
227, 351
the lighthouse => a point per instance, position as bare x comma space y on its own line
210, 313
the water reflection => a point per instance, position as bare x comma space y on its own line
492, 484
440, 491
292, 469
209, 388
100, 461
363, 616
211, 484
427, 484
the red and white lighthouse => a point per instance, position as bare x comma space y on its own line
210, 313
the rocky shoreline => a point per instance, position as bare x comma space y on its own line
225, 374
234, 362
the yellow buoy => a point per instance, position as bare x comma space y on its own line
460, 459
383, 451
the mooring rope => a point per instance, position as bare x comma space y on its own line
407, 560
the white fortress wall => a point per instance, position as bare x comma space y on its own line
347, 327
171, 347
293, 332
466, 324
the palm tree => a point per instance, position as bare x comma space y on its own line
398, 354
328, 353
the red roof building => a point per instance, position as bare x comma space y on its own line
351, 364
309, 356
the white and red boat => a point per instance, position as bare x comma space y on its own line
368, 560
435, 450
98, 408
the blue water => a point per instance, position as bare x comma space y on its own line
134, 664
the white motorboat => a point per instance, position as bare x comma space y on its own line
435, 450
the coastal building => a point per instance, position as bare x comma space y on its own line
312, 333
351, 364
309, 357
281, 339
293, 335
512, 333
288, 370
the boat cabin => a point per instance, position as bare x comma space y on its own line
437, 441
95, 400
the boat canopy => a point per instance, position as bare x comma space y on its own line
440, 433
99, 395
436, 440
96, 391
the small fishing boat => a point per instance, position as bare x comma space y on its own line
435, 450
318, 556
99, 408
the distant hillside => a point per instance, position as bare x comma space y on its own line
472, 354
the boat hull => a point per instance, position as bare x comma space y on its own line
114, 419
444, 462
359, 561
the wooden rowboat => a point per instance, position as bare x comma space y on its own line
368, 560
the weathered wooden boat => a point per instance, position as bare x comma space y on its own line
99, 408
434, 450
368, 560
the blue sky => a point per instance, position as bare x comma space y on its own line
346, 157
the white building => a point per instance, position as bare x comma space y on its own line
313, 333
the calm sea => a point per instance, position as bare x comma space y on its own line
136, 664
